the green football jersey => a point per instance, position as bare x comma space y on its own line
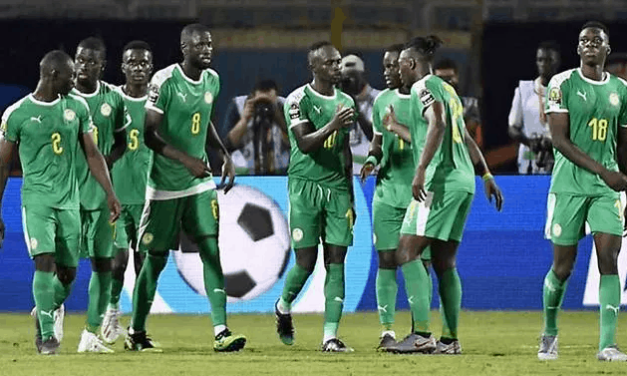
186, 106
48, 143
596, 109
130, 173
109, 115
451, 168
397, 164
325, 166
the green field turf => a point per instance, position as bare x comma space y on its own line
494, 343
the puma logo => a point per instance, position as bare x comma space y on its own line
318, 109
182, 95
37, 119
383, 309
582, 95
338, 299
219, 290
612, 308
44, 313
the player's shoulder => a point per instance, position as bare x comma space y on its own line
342, 96
383, 94
560, 78
77, 102
162, 76
16, 108
297, 95
212, 73
424, 83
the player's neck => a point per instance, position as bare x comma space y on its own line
45, 93
87, 87
135, 91
324, 88
544, 81
592, 72
404, 89
191, 71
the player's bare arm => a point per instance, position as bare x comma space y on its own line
6, 154
98, 167
373, 151
435, 116
309, 139
196, 166
118, 149
365, 125
391, 124
559, 126
228, 169
490, 187
348, 170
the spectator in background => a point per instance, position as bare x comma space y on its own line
355, 84
617, 65
527, 120
257, 135
447, 70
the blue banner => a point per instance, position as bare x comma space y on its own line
502, 260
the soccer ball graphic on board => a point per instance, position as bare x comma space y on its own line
254, 245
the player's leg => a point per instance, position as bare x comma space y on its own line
120, 260
425, 256
605, 217
387, 222
304, 221
200, 222
564, 226
450, 290
159, 231
39, 233
99, 237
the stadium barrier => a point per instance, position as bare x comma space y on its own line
502, 259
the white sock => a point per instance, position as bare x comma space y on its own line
218, 329
388, 332
283, 307
327, 337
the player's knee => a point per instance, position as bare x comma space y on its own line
387, 260
442, 265
66, 275
306, 258
607, 262
563, 270
102, 265
45, 262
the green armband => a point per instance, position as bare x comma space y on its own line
487, 176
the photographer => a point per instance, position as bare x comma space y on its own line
257, 135
354, 83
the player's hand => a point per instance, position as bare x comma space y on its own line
343, 117
228, 170
1, 232
492, 190
366, 170
351, 216
389, 120
615, 180
114, 208
249, 108
197, 167
418, 186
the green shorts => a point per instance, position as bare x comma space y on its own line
567, 216
319, 213
96, 233
442, 216
49, 230
162, 221
386, 222
127, 226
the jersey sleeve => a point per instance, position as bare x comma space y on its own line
515, 118
296, 110
10, 127
86, 124
123, 118
158, 94
557, 95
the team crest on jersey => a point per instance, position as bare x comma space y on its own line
555, 96
208, 98
33, 243
557, 230
105, 110
614, 100
297, 234
69, 115
426, 98
147, 238
153, 93
294, 111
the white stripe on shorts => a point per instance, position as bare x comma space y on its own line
423, 214
25, 231
550, 208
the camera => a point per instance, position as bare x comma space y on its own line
263, 113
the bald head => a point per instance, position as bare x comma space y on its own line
188, 32
55, 60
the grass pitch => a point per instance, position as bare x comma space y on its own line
494, 343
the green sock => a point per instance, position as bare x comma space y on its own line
386, 296
145, 289
553, 296
430, 286
214, 279
116, 291
609, 297
99, 296
294, 282
450, 289
333, 298
61, 291
43, 292
416, 286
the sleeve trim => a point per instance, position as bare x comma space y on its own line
150, 106
292, 125
556, 110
